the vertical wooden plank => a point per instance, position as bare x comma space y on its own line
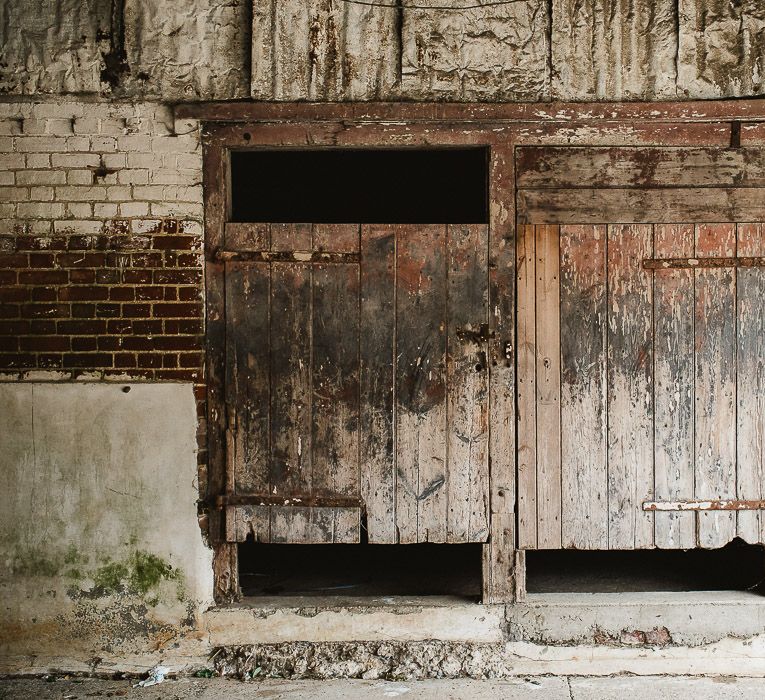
291, 237
674, 386
583, 387
629, 381
527, 393
467, 385
421, 383
750, 381
290, 337
377, 380
499, 554
248, 376
335, 380
548, 386
715, 336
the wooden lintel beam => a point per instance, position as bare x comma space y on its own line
299, 256
223, 500
732, 504
693, 263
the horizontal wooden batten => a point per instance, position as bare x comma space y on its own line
245, 110
545, 167
695, 263
632, 206
235, 499
703, 505
293, 256
293, 524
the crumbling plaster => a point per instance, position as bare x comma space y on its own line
518, 50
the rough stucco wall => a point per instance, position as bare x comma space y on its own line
333, 50
100, 540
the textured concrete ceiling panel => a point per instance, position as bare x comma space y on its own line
497, 52
323, 50
187, 49
52, 46
614, 49
722, 48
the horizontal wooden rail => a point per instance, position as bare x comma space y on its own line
224, 500
693, 263
299, 256
703, 505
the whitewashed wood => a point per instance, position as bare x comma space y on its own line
527, 392
674, 386
548, 386
467, 478
583, 387
715, 399
630, 396
750, 385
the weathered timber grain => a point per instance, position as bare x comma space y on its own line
290, 340
625, 206
548, 386
298, 524
467, 372
691, 263
750, 381
248, 377
583, 387
336, 238
247, 236
527, 392
286, 256
335, 380
377, 381
715, 342
421, 459
674, 386
733, 504
288, 238
629, 382
565, 167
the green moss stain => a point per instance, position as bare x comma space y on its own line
110, 577
148, 571
32, 562
139, 574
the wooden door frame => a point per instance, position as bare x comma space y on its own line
498, 127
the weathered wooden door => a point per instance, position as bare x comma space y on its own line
641, 347
356, 382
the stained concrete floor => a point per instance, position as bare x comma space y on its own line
541, 688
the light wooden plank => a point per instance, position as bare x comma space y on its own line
467, 371
421, 457
583, 387
336, 238
290, 336
715, 399
674, 386
500, 573
631, 205
750, 381
629, 380
247, 236
335, 380
554, 167
527, 392
548, 386
377, 380
312, 525
248, 377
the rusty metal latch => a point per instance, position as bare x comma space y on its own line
731, 504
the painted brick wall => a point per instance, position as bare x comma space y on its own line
101, 243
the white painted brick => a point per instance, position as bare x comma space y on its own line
7, 177
40, 210
131, 209
77, 143
79, 177
105, 210
82, 226
174, 144
53, 110
182, 194
79, 210
6, 144
7, 210
34, 127
40, 177
41, 194
14, 194
175, 177
10, 161
80, 194
103, 143
39, 227
134, 142
78, 160
133, 177
144, 160
10, 227
41, 144
15, 110
191, 161
186, 126
115, 160
113, 127
121, 193
148, 192
192, 227
144, 225
10, 127
59, 127
108, 179
86, 125
38, 160
177, 209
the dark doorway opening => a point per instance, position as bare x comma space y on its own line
434, 186
736, 567
363, 570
